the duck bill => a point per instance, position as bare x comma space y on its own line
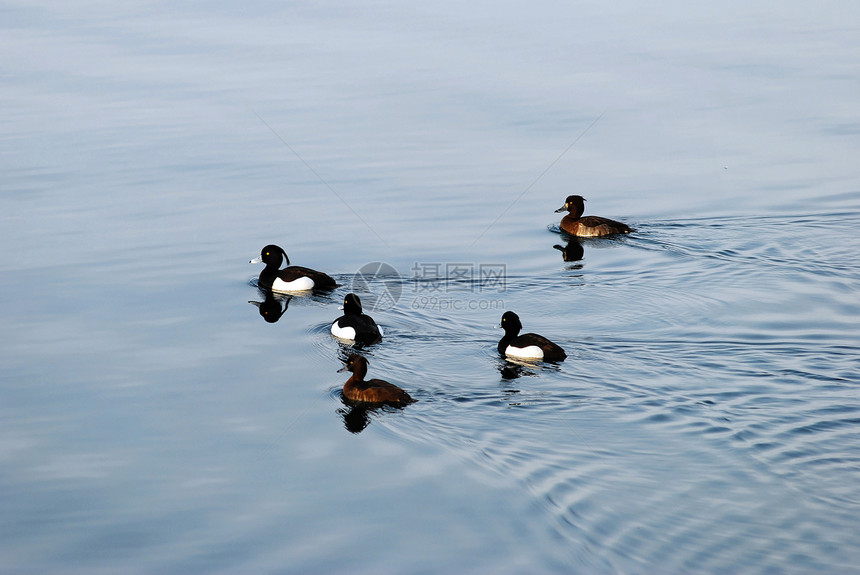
344, 368
561, 209
256, 260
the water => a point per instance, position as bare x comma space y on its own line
706, 419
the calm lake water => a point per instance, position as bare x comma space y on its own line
707, 418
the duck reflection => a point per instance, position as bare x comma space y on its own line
355, 417
364, 397
572, 251
272, 307
511, 371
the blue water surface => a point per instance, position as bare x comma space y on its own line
707, 418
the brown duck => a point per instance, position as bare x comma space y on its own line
356, 389
589, 226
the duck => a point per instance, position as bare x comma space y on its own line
527, 345
355, 325
356, 389
589, 226
291, 278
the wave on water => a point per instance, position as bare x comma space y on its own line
708, 433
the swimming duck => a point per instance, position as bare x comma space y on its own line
291, 278
355, 325
589, 226
373, 390
528, 345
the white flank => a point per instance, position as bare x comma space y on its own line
342, 332
529, 352
300, 284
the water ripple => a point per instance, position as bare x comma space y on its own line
688, 399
